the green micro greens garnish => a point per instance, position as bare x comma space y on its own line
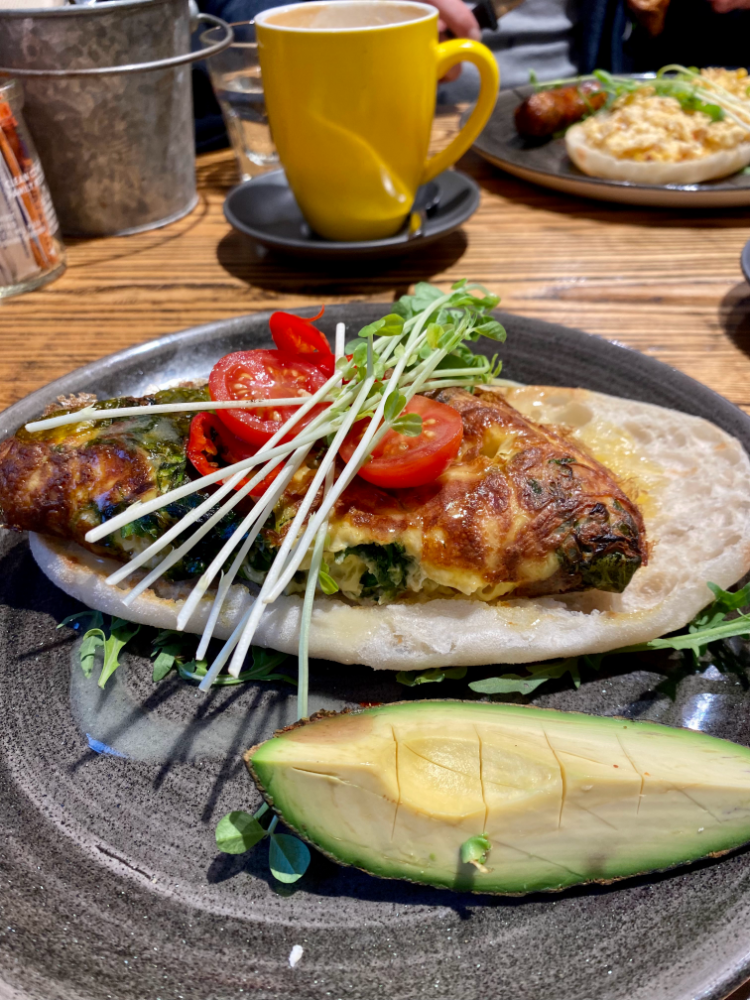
238, 832
474, 851
693, 91
93, 412
421, 345
538, 674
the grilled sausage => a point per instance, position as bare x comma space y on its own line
550, 111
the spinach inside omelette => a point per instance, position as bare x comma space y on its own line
520, 511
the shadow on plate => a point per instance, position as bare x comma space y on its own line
36, 593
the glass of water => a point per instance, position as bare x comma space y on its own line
235, 76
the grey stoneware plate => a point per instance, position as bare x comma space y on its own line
265, 209
546, 162
110, 882
745, 261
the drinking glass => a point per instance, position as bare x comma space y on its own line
235, 76
31, 252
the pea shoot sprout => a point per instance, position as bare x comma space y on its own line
91, 412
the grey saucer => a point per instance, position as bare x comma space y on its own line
546, 162
110, 882
265, 209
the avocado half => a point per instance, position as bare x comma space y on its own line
563, 798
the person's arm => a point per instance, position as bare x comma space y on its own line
724, 6
456, 17
651, 14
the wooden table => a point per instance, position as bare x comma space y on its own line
664, 282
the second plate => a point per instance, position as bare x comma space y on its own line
547, 163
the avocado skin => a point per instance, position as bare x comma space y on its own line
470, 880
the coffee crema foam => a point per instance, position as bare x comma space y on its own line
360, 14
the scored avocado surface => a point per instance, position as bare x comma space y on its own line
563, 798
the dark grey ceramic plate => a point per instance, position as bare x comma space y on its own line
110, 882
265, 209
547, 163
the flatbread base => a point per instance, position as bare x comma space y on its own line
596, 163
691, 479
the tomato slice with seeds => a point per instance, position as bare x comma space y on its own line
264, 375
325, 362
211, 446
400, 461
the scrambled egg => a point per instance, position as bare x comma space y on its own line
735, 81
645, 127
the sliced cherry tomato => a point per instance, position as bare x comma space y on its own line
325, 362
401, 461
211, 446
264, 375
296, 335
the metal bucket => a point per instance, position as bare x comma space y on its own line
109, 106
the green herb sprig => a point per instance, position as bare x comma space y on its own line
538, 674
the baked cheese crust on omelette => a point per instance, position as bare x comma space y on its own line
569, 522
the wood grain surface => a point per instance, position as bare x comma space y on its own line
664, 282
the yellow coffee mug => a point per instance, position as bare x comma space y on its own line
350, 91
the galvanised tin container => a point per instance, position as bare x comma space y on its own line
109, 106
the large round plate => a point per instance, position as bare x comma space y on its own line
547, 163
111, 882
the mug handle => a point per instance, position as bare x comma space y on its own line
449, 53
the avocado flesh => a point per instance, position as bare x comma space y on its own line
564, 798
